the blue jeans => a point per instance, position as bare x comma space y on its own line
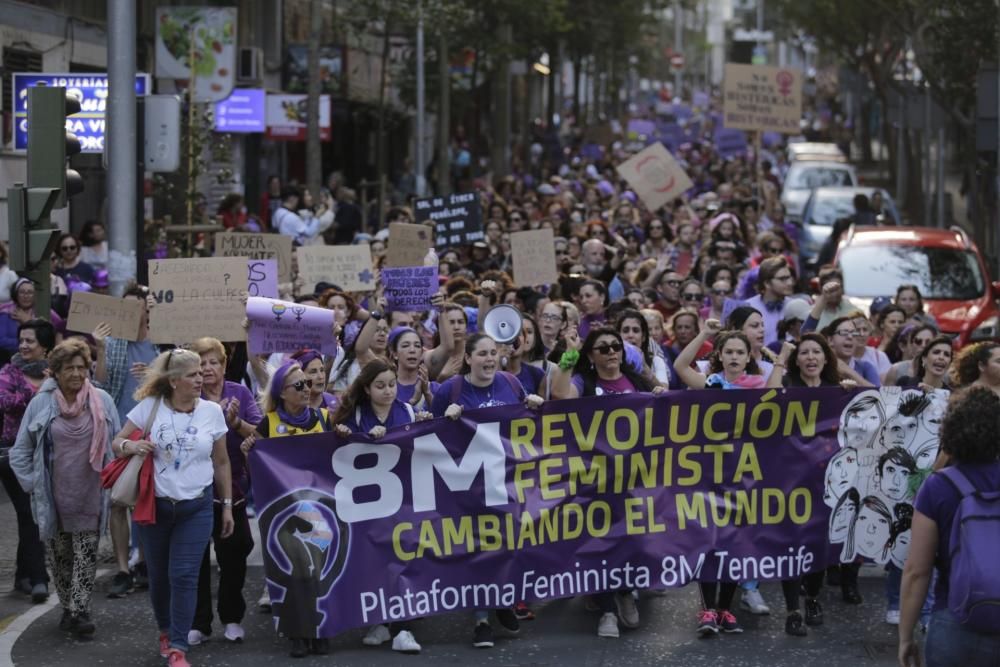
950, 644
893, 583
173, 548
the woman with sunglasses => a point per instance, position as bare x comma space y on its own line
481, 384
908, 343
69, 266
242, 416
731, 366
314, 367
371, 405
187, 437
599, 367
286, 410
692, 294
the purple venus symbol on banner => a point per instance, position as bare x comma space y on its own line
299, 311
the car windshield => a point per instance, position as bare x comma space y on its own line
817, 177
939, 273
825, 211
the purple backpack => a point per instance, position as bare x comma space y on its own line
974, 580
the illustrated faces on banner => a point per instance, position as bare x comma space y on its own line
889, 441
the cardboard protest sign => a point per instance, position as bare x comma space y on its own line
258, 246
87, 310
410, 287
457, 218
758, 97
262, 278
655, 176
534, 256
349, 267
283, 326
196, 298
408, 244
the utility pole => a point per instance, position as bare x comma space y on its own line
420, 161
121, 145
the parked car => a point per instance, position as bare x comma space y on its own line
944, 264
827, 205
805, 176
815, 151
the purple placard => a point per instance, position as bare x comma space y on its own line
730, 143
641, 128
671, 135
243, 111
262, 278
771, 139
700, 99
508, 504
283, 326
410, 287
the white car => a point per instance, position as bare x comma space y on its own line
804, 177
815, 152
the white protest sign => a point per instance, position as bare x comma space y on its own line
257, 246
534, 256
655, 176
758, 97
349, 267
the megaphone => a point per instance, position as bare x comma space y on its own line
502, 323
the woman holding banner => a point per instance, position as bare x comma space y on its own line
371, 406
599, 367
286, 409
481, 384
242, 416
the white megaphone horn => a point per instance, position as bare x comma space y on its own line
502, 323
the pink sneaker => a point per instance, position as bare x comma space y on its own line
728, 622
164, 645
708, 623
177, 658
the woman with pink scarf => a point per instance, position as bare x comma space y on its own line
62, 445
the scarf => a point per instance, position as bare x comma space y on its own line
33, 369
88, 396
298, 421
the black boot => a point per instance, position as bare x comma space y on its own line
319, 646
851, 594
81, 626
300, 647
793, 625
814, 612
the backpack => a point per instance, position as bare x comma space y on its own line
974, 580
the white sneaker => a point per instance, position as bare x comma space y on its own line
628, 613
377, 635
404, 642
754, 603
234, 632
195, 637
892, 617
608, 626
264, 603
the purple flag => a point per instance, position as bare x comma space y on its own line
508, 504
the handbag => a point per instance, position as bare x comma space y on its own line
125, 489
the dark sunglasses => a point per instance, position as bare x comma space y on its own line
692, 297
722, 292
608, 348
671, 283
67, 247
775, 250
301, 384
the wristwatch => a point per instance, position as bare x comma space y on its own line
227, 502
375, 314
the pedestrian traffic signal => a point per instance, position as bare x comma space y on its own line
49, 144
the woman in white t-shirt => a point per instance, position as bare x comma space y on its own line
187, 438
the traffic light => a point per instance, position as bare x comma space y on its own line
32, 235
49, 144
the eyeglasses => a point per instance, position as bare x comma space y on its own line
68, 247
301, 384
671, 283
692, 297
846, 332
722, 292
608, 348
549, 317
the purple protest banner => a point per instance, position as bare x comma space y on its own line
730, 143
262, 278
283, 326
410, 287
640, 127
508, 504
700, 99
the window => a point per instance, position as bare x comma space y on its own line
16, 61
939, 273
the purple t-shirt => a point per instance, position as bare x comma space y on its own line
250, 413
531, 378
938, 500
505, 390
364, 418
620, 386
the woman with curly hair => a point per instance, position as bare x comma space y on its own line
972, 456
978, 364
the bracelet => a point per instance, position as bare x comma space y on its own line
568, 359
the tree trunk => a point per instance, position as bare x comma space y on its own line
577, 80
550, 83
380, 161
444, 119
314, 150
501, 105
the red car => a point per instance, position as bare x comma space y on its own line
944, 264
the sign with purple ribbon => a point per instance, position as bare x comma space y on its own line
283, 326
410, 287
507, 504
